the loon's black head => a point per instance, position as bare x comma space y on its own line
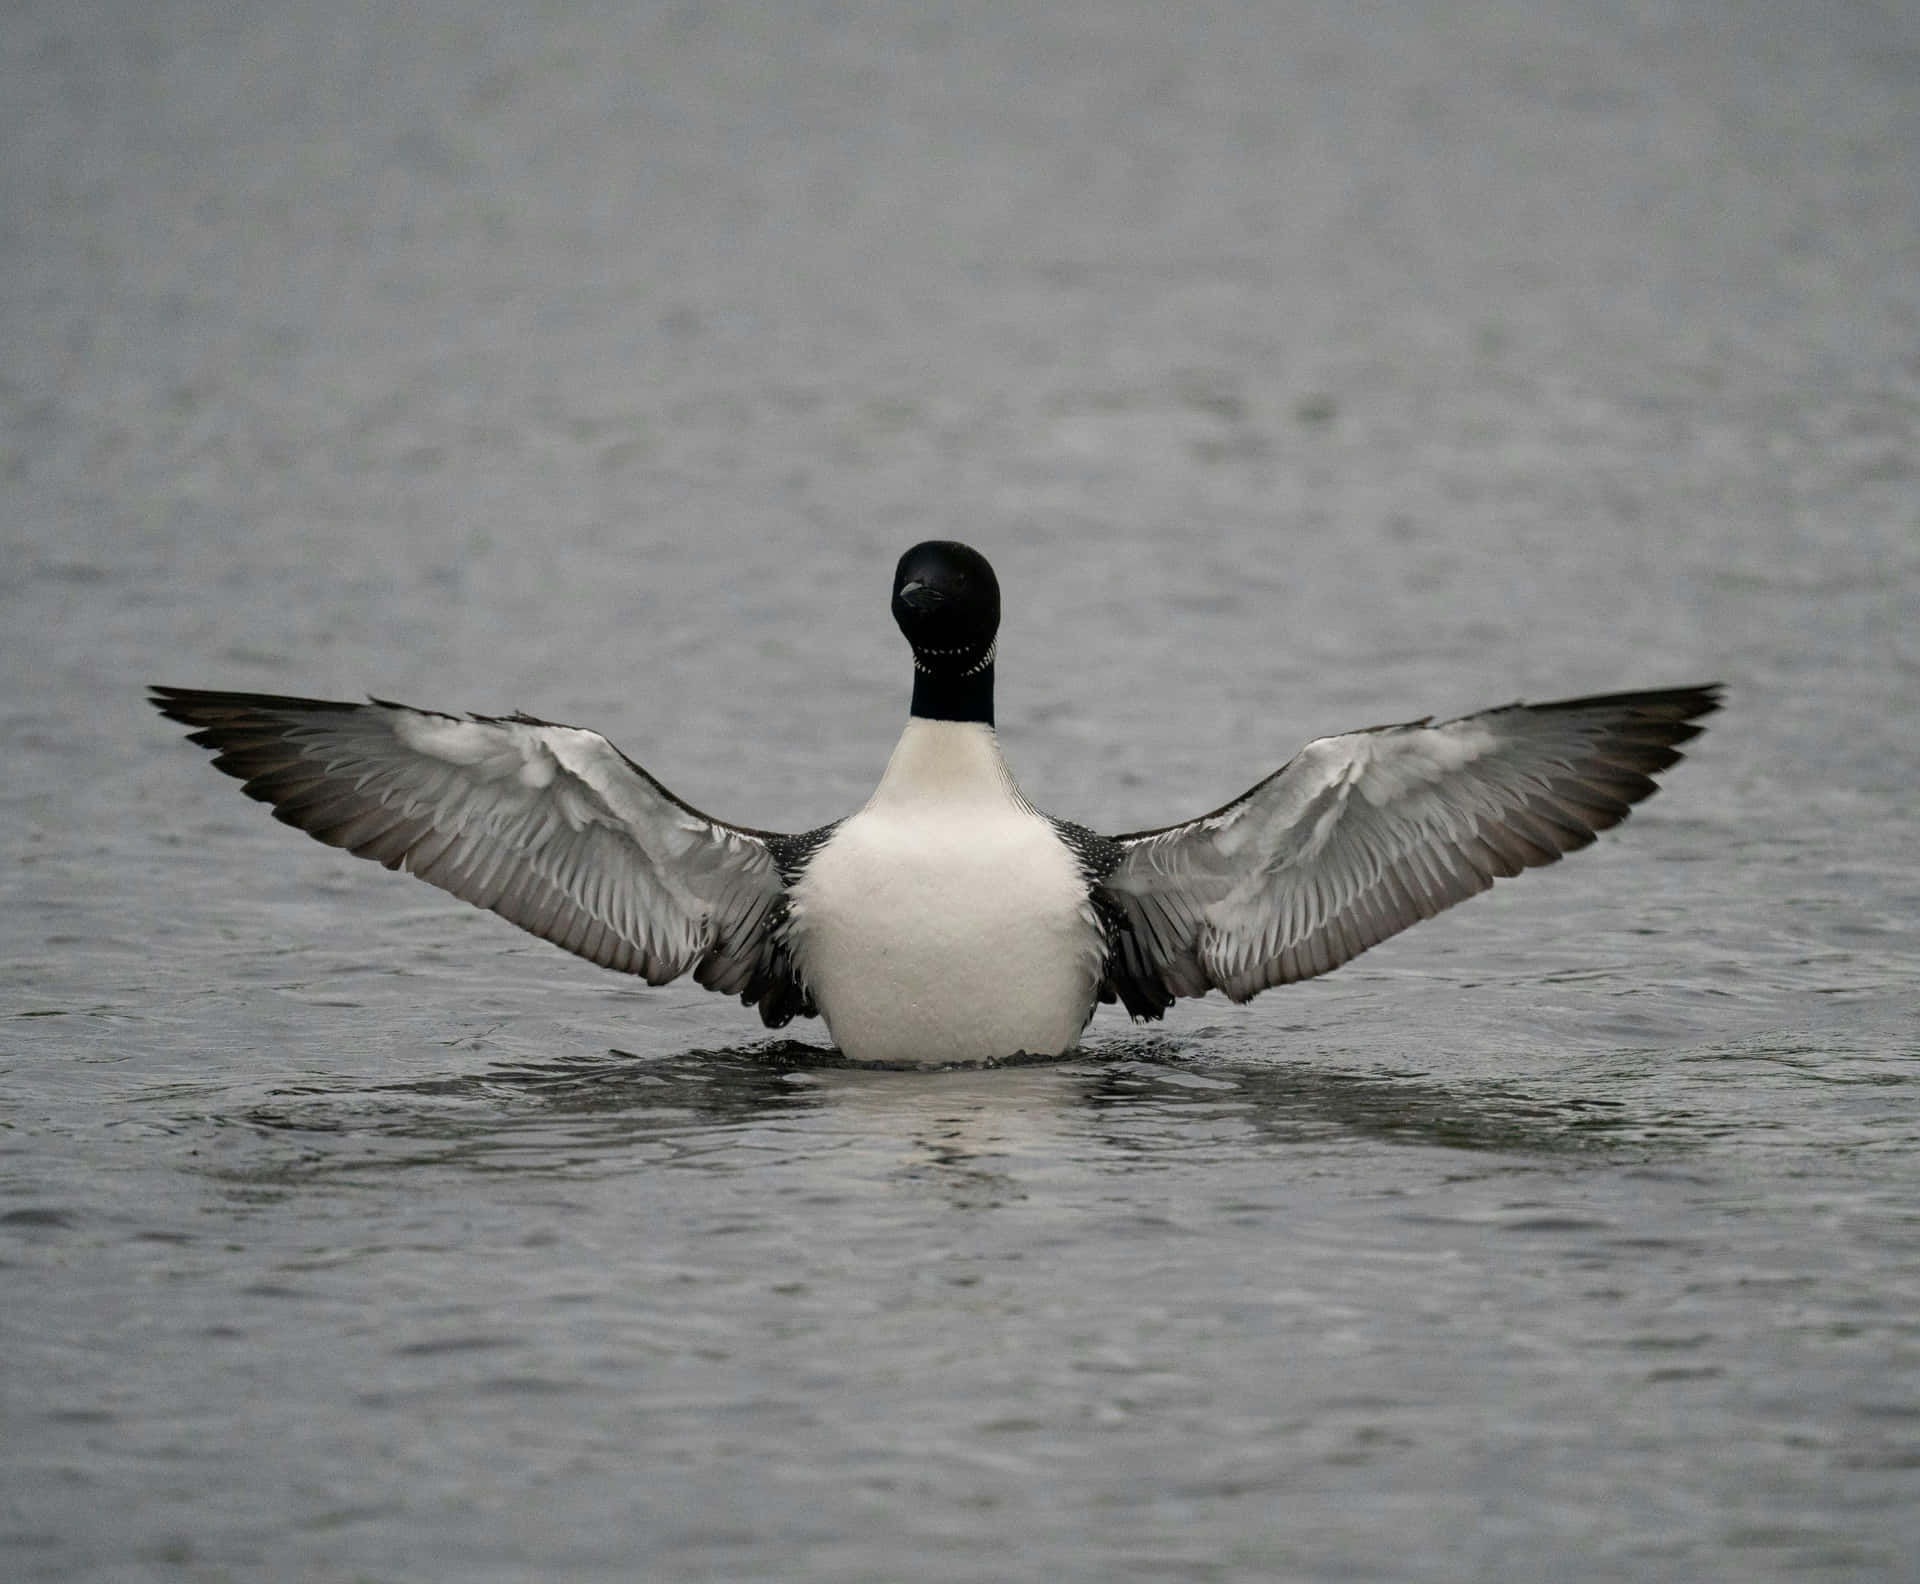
947, 602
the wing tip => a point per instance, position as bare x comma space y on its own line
222, 706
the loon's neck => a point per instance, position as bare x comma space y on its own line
954, 695
942, 763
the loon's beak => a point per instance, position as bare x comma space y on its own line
918, 596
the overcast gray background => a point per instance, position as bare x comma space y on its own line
1300, 367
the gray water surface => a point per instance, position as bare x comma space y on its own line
1301, 367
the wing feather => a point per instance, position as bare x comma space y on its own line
549, 826
1364, 834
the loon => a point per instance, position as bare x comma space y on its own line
949, 921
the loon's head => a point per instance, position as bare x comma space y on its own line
947, 602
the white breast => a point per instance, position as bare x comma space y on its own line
946, 921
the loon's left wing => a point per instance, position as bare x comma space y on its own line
1363, 834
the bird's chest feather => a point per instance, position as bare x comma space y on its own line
964, 938
978, 887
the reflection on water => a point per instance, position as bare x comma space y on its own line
1125, 1105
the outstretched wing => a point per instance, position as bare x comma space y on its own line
1363, 834
549, 826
